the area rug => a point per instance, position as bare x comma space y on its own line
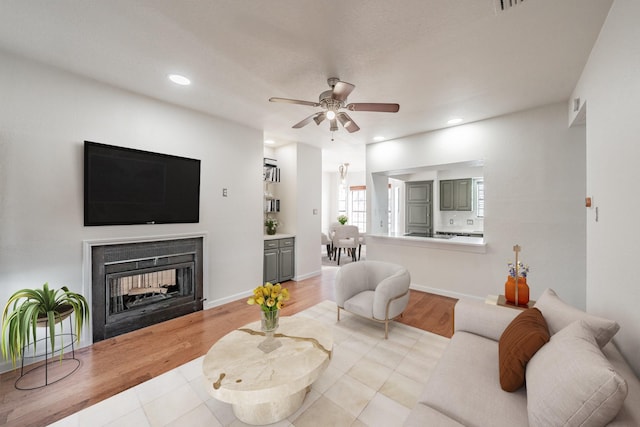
369, 382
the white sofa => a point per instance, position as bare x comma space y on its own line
570, 380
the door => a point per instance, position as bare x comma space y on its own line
462, 194
446, 195
270, 264
286, 264
419, 207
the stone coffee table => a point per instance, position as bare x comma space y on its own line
264, 388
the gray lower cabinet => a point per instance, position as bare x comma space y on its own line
278, 264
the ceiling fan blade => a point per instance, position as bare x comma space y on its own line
373, 106
348, 122
342, 90
306, 121
294, 101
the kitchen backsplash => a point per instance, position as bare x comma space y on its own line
465, 221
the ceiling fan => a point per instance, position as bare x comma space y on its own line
332, 101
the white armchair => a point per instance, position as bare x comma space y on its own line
376, 290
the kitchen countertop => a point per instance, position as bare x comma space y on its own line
457, 243
458, 230
278, 236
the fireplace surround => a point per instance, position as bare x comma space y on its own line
137, 284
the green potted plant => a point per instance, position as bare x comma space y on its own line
271, 224
29, 308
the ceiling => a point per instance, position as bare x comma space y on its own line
437, 59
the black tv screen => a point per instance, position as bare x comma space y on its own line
125, 186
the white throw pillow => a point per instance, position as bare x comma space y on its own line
559, 315
571, 383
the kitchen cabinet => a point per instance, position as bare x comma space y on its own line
279, 257
455, 194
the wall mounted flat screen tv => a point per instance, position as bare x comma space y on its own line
125, 186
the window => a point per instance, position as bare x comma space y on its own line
342, 200
480, 198
358, 208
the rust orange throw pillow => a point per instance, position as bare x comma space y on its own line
524, 336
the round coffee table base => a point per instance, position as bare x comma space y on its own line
270, 412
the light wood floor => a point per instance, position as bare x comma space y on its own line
119, 363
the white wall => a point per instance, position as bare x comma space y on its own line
329, 200
610, 86
46, 114
534, 173
300, 192
308, 201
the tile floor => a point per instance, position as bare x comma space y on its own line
369, 382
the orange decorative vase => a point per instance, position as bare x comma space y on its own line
510, 290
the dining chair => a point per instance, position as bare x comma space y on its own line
345, 237
361, 241
327, 242
332, 231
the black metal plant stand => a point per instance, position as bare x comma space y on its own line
66, 367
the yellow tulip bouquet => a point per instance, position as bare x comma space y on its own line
269, 297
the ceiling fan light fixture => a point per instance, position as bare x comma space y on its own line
344, 120
331, 115
343, 170
334, 125
319, 118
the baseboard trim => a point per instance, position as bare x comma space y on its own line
221, 301
308, 275
7, 366
443, 292
246, 294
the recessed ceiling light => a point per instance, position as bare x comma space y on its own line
269, 141
378, 138
179, 80
454, 121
